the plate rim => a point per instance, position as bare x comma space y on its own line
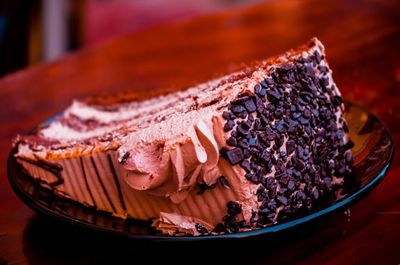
347, 201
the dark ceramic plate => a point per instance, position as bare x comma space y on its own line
373, 153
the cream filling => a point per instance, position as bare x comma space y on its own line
137, 115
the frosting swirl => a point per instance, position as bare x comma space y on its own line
172, 165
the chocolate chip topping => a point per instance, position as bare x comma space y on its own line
234, 208
229, 125
202, 187
201, 229
230, 222
287, 126
224, 182
234, 156
231, 141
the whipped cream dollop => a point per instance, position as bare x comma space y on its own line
170, 158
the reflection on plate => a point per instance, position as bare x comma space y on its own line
373, 152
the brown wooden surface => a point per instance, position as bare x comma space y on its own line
362, 39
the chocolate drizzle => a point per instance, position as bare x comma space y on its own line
53, 168
86, 181
120, 196
102, 185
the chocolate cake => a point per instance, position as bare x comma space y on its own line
247, 150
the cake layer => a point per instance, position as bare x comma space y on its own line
244, 151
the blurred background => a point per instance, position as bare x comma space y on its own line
34, 31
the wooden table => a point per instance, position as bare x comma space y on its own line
362, 39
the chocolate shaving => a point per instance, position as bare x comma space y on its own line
124, 157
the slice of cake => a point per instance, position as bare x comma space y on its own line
241, 152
